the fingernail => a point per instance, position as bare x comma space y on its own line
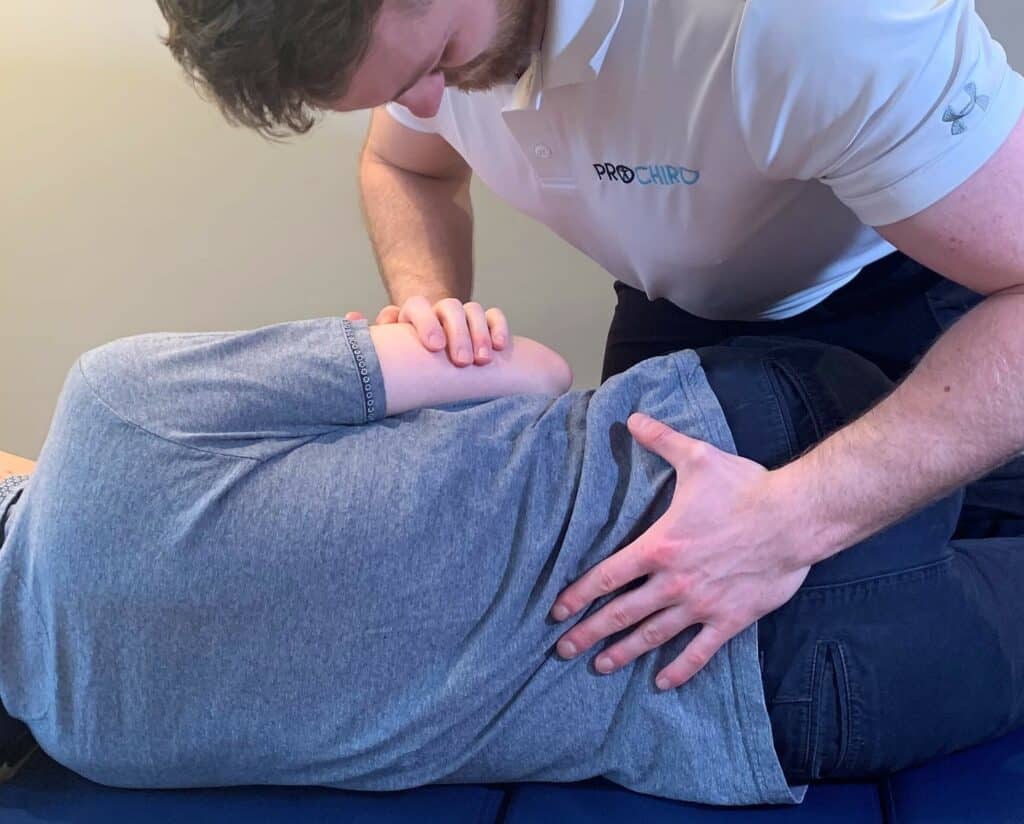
567, 649
463, 355
499, 339
560, 613
662, 683
603, 664
482, 353
435, 339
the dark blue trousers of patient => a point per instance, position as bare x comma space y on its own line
910, 644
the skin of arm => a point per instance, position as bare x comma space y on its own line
415, 377
13, 465
960, 413
416, 201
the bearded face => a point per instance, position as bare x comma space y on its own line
508, 57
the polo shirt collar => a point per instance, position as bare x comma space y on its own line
576, 41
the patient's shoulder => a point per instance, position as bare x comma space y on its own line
124, 373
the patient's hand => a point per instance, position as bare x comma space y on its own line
470, 334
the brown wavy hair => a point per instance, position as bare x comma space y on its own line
271, 64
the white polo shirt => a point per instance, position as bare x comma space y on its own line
732, 155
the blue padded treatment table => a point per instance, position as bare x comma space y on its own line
985, 785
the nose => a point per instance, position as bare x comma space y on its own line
424, 99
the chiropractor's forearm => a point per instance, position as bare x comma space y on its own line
421, 229
957, 416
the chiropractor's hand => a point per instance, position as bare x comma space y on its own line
468, 332
721, 556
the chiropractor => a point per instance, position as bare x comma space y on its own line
851, 171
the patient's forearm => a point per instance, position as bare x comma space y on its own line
13, 465
415, 378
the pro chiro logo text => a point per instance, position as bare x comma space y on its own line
653, 175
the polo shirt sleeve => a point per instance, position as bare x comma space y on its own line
893, 104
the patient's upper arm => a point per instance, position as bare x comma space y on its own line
225, 391
231, 391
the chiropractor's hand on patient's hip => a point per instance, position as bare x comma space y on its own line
468, 332
719, 557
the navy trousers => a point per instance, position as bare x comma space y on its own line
890, 314
910, 644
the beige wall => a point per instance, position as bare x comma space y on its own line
129, 206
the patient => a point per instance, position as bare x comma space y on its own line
317, 554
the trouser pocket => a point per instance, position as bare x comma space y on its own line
866, 678
829, 736
810, 711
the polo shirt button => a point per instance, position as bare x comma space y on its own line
542, 151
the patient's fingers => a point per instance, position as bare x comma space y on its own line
354, 316
479, 332
453, 318
498, 325
420, 314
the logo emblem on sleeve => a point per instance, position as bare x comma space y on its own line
974, 100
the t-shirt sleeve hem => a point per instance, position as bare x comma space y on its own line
367, 368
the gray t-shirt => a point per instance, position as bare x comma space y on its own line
228, 569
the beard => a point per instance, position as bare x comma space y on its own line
507, 57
